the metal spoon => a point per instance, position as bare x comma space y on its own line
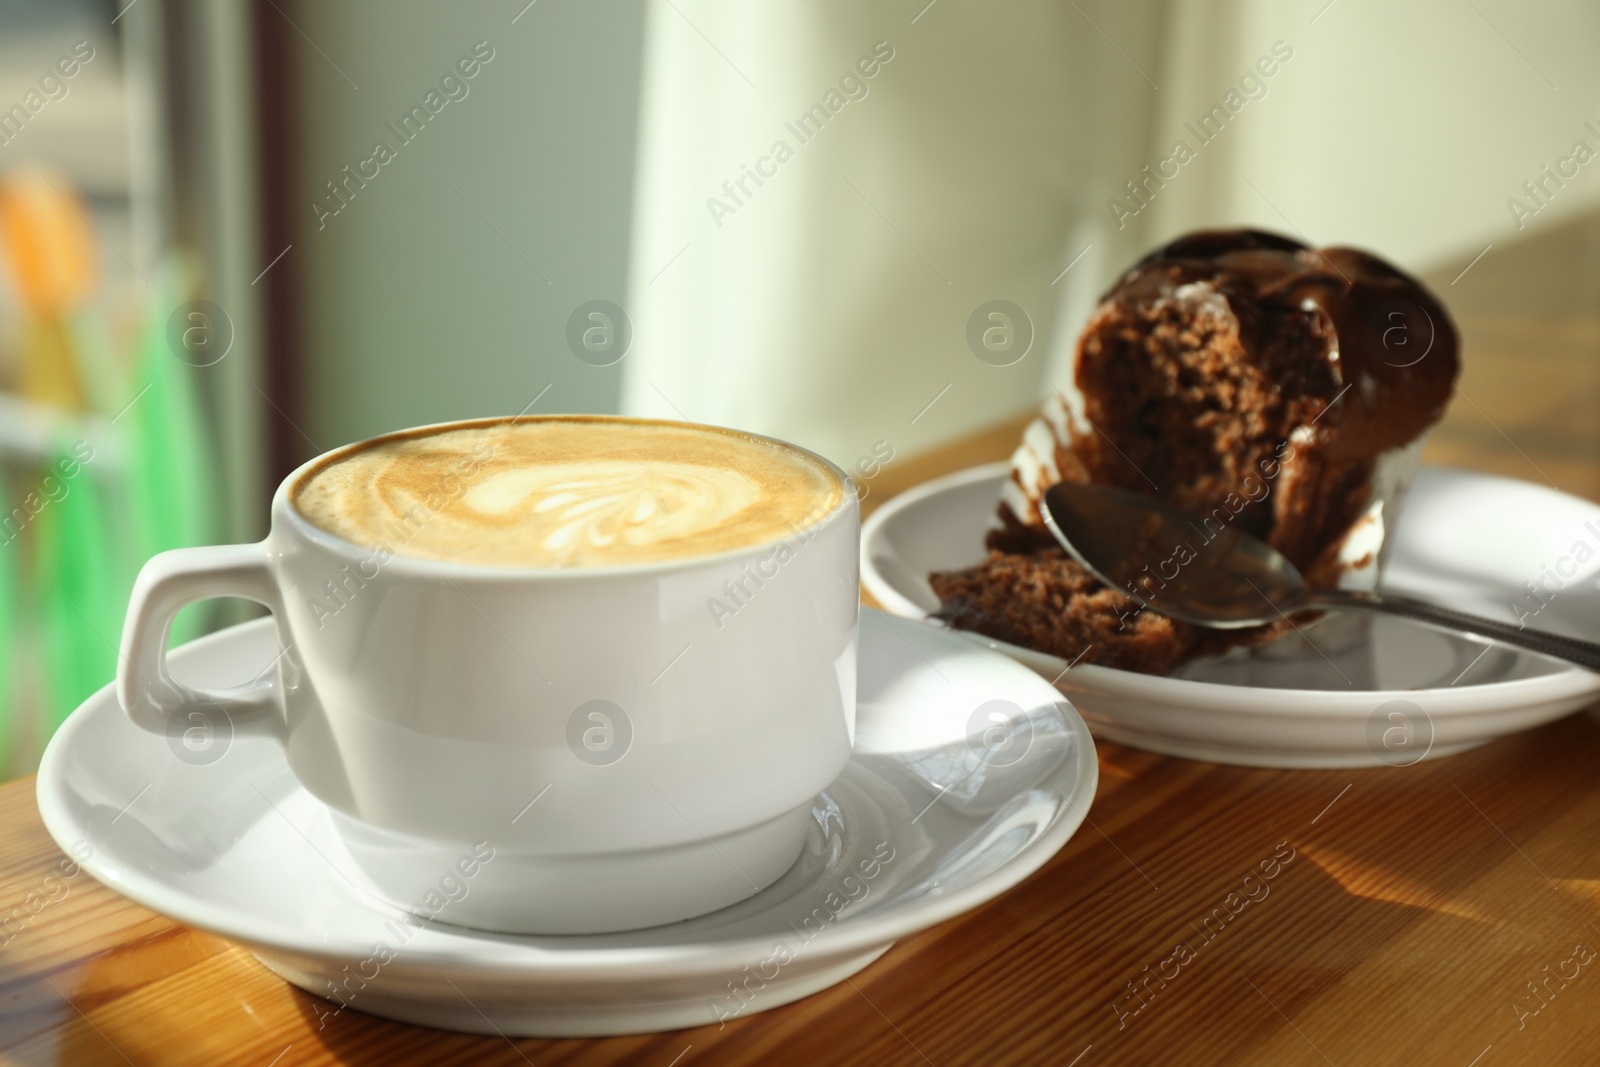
1190, 569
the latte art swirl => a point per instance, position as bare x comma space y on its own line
566, 492
574, 511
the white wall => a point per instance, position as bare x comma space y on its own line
1400, 127
832, 306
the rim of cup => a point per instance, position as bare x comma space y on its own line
284, 509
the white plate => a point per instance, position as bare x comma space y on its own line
923, 824
1394, 695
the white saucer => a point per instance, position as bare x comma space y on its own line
923, 824
1396, 695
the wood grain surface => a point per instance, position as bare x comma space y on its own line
1408, 911
1443, 913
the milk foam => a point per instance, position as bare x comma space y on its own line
566, 492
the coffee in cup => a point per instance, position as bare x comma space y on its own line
566, 492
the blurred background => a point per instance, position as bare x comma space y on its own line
237, 233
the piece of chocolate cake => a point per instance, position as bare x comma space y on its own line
1248, 379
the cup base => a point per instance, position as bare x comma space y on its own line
522, 891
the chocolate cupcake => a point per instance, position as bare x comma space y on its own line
1245, 378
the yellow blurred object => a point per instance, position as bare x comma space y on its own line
52, 259
47, 241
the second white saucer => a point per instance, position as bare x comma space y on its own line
1401, 694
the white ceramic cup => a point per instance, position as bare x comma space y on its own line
535, 750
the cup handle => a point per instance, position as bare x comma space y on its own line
166, 583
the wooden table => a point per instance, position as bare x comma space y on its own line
1416, 907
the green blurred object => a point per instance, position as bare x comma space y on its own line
169, 471
81, 591
8, 639
103, 516
94, 354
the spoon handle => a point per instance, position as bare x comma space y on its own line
1583, 653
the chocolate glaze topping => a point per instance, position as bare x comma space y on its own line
1391, 354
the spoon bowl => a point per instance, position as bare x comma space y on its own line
1209, 574
1172, 562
